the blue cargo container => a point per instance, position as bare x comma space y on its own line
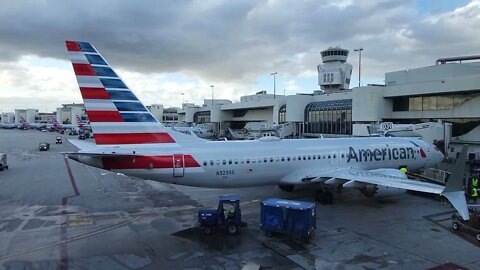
295, 218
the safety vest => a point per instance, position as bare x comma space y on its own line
403, 169
474, 192
475, 182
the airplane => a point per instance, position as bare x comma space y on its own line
8, 126
24, 124
82, 124
58, 125
129, 140
198, 131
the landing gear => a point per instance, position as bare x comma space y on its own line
287, 188
339, 188
369, 190
324, 196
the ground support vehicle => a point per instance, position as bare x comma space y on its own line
473, 224
43, 146
294, 218
227, 216
58, 140
3, 161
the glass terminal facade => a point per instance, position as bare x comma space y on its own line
329, 117
282, 114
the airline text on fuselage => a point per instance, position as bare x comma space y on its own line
379, 154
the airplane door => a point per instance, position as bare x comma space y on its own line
178, 165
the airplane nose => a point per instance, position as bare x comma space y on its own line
440, 156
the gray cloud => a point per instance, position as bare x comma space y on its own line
235, 41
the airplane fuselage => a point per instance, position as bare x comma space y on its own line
255, 163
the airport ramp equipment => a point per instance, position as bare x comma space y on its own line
294, 218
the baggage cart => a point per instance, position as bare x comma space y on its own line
294, 218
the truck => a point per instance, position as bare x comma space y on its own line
3, 161
227, 216
294, 218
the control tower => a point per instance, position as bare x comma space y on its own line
334, 74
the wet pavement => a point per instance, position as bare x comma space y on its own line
56, 213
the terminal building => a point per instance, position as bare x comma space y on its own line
421, 100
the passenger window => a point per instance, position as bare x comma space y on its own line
253, 160
283, 159
259, 160
271, 159
304, 158
218, 162
324, 156
288, 158
236, 161
309, 157
313, 156
211, 162
343, 155
334, 156
205, 163
242, 161
328, 156
299, 158
224, 162
319, 157
230, 161
294, 158
277, 159
264, 159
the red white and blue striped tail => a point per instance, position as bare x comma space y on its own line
116, 115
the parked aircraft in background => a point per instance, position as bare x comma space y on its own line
26, 125
82, 124
129, 140
58, 125
198, 131
8, 126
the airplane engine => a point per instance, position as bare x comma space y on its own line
287, 188
369, 190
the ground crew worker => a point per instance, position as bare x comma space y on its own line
475, 182
474, 189
474, 195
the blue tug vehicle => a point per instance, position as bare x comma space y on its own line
227, 216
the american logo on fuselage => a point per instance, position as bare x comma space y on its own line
379, 154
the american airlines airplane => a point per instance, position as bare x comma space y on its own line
129, 140
82, 124
26, 125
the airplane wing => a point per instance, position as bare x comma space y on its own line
351, 177
384, 177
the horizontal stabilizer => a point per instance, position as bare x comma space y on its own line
82, 145
454, 190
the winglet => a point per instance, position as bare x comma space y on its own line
454, 190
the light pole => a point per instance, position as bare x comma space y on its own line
183, 98
211, 86
359, 50
274, 83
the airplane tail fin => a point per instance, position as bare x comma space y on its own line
454, 190
116, 115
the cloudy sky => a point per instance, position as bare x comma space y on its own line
164, 48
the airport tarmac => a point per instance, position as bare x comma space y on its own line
56, 213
